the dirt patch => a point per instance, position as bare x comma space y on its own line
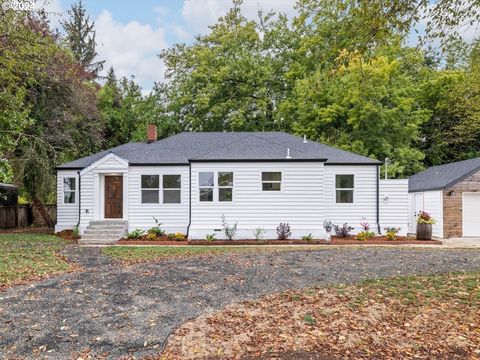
399, 318
68, 235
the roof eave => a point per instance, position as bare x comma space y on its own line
256, 160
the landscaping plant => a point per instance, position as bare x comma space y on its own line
424, 217
307, 237
259, 233
342, 231
156, 230
135, 234
229, 230
365, 234
210, 237
283, 231
391, 232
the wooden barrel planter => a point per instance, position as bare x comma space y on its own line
424, 231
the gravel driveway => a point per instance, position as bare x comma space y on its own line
118, 311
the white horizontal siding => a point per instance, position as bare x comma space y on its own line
364, 208
394, 204
174, 217
87, 203
433, 204
299, 203
67, 214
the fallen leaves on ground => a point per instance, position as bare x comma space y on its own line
410, 317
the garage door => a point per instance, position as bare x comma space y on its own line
471, 214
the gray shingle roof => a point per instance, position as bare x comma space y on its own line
228, 146
443, 176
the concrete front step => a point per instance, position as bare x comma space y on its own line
109, 222
101, 236
105, 231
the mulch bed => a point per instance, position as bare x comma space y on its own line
68, 235
152, 242
379, 240
382, 240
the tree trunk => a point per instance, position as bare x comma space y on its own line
43, 211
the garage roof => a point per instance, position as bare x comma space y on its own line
443, 176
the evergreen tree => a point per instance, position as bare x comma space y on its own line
80, 37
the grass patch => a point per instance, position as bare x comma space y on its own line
29, 256
135, 254
425, 317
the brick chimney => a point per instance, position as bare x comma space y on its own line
151, 133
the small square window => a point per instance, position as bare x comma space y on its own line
271, 181
225, 194
205, 179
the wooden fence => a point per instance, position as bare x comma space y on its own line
24, 215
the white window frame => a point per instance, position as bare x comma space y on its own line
271, 182
206, 187
348, 189
225, 187
171, 189
151, 189
74, 191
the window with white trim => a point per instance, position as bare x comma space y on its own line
344, 187
69, 190
271, 181
206, 185
225, 186
150, 189
172, 189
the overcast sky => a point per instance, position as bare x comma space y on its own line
131, 33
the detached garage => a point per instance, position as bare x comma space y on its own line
451, 193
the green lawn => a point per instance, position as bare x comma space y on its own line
135, 254
29, 256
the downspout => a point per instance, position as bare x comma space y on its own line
79, 199
189, 198
378, 199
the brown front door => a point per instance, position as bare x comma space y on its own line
113, 197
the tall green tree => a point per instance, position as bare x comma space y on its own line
80, 37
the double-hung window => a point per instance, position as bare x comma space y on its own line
206, 185
69, 190
172, 189
271, 181
150, 189
344, 188
225, 186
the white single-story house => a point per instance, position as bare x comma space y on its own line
451, 194
256, 179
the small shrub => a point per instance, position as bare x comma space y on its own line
135, 234
365, 235
391, 232
307, 237
210, 237
171, 236
365, 226
283, 231
259, 233
229, 230
179, 236
156, 230
342, 231
424, 217
327, 225
151, 236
